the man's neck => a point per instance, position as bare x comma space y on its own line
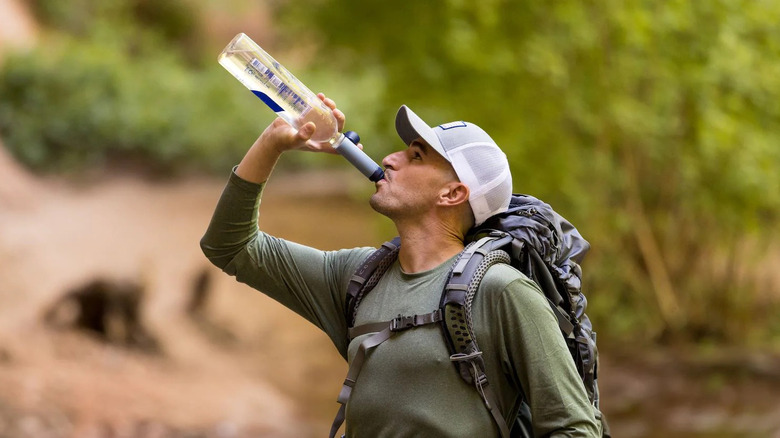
426, 247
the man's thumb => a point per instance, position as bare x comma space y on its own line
306, 131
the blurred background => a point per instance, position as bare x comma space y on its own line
653, 126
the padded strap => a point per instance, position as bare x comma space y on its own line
368, 274
456, 300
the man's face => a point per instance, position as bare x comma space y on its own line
413, 180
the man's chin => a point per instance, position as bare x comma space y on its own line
374, 203
377, 205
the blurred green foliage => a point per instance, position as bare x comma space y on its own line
83, 104
654, 126
107, 89
177, 22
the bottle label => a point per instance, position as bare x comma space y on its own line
283, 91
268, 101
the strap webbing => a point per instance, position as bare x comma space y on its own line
484, 389
567, 328
396, 324
491, 401
364, 329
388, 328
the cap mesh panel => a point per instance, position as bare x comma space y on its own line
489, 167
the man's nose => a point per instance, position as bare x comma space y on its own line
391, 161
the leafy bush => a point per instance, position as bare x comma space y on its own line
176, 21
76, 104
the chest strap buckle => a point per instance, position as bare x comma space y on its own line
401, 322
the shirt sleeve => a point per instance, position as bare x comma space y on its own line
308, 281
537, 359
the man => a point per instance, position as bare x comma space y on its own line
449, 179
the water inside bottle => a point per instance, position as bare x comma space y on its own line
289, 98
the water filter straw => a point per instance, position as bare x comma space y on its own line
347, 147
291, 100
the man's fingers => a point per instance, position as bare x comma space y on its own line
327, 101
340, 119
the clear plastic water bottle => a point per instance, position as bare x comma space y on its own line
291, 100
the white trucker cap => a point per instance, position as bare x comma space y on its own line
478, 161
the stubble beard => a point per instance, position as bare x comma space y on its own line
380, 206
395, 208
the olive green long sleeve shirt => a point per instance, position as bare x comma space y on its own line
408, 387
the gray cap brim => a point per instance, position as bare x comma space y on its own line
410, 127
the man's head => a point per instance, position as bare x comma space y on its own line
454, 169
478, 162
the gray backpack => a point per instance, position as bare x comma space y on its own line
529, 236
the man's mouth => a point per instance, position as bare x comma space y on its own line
385, 179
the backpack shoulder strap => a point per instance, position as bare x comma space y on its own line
368, 274
463, 272
455, 307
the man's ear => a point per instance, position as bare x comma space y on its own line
454, 193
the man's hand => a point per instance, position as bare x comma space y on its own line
282, 137
279, 137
